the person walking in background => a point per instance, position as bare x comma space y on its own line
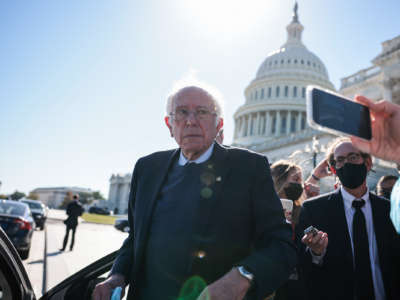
74, 210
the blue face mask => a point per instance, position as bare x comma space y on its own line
352, 175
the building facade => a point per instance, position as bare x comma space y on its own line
53, 197
379, 81
118, 194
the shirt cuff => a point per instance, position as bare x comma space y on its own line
317, 259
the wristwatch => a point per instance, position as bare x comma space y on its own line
245, 273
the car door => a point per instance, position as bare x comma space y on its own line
15, 283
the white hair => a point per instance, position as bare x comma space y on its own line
211, 91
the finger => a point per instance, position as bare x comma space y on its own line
361, 144
305, 239
317, 238
365, 101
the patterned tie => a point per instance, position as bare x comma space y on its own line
364, 287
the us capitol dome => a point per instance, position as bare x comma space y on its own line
273, 118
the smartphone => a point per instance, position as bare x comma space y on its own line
335, 114
287, 205
312, 230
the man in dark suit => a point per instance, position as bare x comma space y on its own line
206, 217
355, 255
74, 211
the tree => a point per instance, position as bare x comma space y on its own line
85, 198
67, 200
33, 196
97, 195
2, 196
17, 195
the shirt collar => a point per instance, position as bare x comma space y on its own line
348, 198
205, 156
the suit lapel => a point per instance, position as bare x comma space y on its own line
380, 218
340, 229
162, 169
218, 168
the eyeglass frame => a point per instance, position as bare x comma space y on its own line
334, 161
195, 114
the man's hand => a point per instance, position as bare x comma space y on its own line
232, 286
102, 291
317, 243
385, 124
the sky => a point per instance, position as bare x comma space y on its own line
83, 84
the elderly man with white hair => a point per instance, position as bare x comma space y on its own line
207, 222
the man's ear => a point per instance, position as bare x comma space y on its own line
167, 122
220, 124
368, 163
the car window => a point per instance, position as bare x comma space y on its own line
34, 205
12, 209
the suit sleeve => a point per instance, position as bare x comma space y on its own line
124, 262
274, 256
311, 272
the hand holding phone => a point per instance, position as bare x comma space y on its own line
316, 240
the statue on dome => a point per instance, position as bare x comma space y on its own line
295, 15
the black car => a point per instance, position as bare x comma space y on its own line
122, 224
15, 283
39, 212
99, 210
17, 221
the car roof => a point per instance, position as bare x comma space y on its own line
31, 201
16, 203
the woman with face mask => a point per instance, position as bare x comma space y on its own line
288, 182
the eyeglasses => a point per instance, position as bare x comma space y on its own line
200, 114
351, 158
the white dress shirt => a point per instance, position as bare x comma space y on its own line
373, 247
205, 156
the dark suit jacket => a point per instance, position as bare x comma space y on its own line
334, 279
74, 210
242, 223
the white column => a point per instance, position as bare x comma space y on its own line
267, 123
288, 121
278, 123
387, 89
257, 125
298, 127
248, 125
242, 125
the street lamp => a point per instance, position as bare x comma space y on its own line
316, 149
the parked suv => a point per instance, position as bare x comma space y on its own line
39, 211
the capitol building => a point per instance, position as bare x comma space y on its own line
272, 120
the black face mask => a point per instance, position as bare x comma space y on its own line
293, 191
352, 175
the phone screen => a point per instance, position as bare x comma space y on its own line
341, 114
